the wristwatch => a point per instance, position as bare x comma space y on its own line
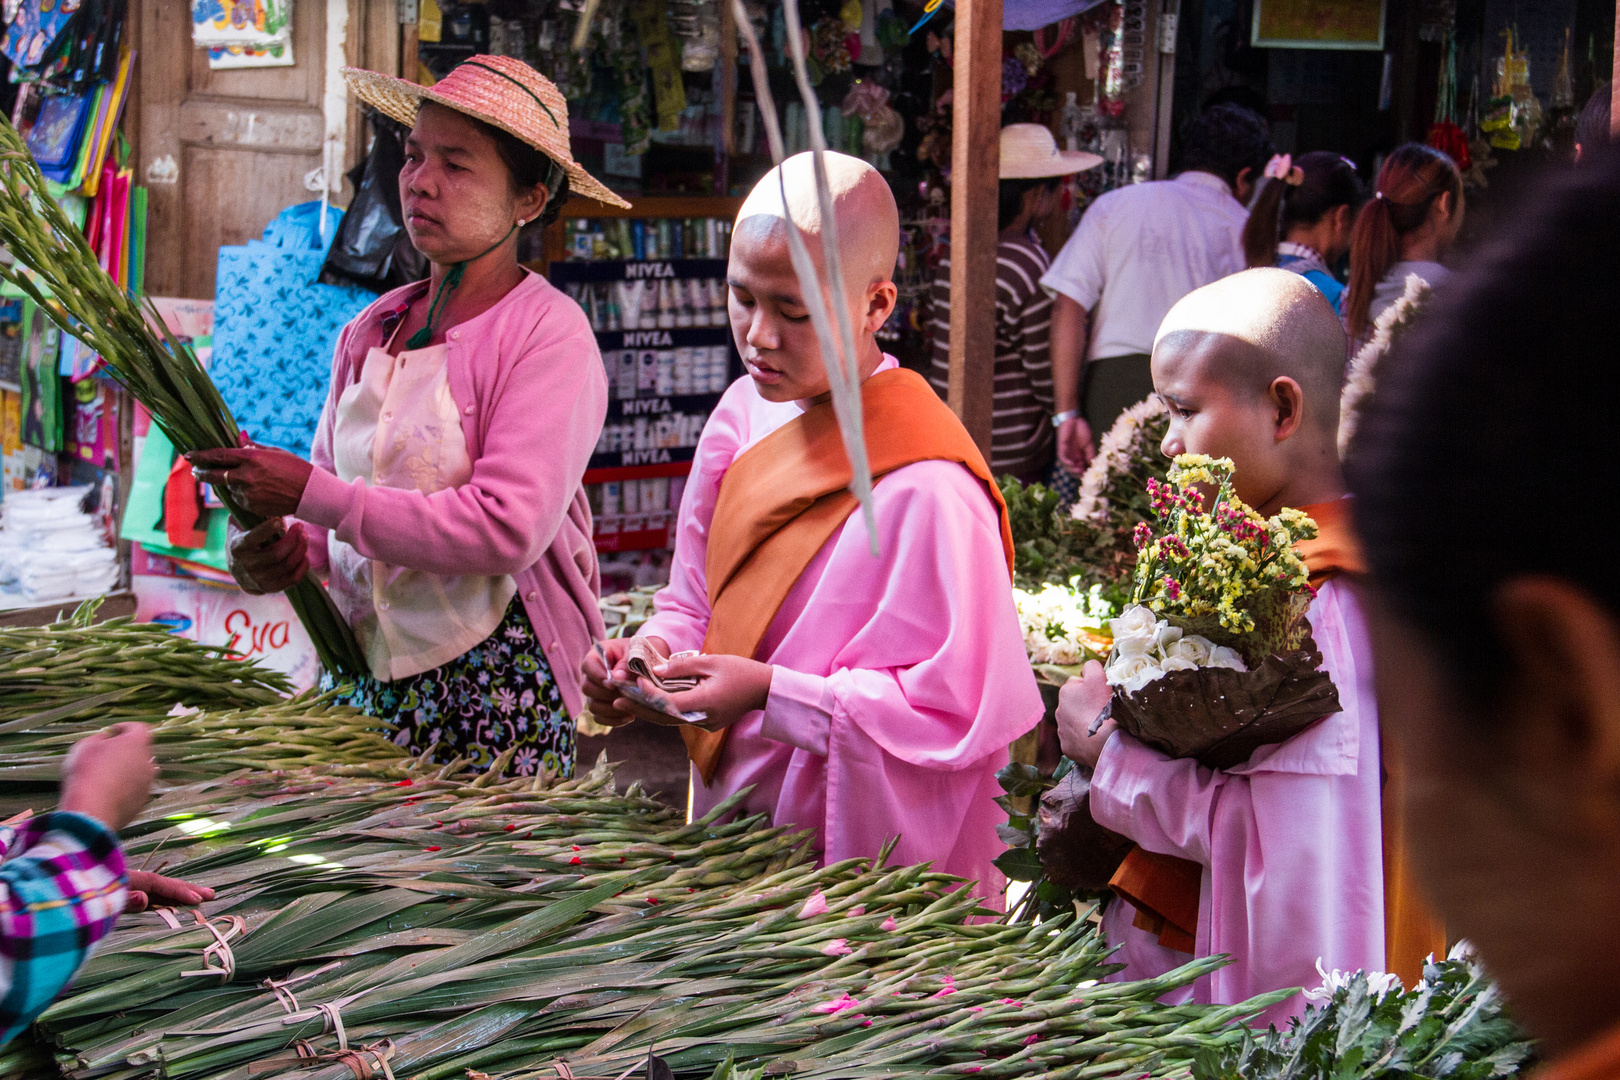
1065, 416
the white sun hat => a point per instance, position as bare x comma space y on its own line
497, 90
1028, 152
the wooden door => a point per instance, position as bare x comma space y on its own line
223, 152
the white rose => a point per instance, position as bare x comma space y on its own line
1137, 682
1134, 632
1133, 647
1132, 672
1191, 648
1165, 637
1136, 621
1178, 663
1221, 656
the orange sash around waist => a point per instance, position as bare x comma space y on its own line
783, 498
1164, 889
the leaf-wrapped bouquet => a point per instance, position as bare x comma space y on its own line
1215, 658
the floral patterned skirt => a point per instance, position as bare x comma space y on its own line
497, 695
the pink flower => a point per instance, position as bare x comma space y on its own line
836, 947
838, 1004
888, 926
949, 986
1031, 1040
816, 905
858, 909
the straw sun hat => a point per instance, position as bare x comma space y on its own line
1028, 151
497, 90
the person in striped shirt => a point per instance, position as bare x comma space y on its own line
1022, 439
62, 876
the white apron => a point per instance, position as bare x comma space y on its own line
398, 426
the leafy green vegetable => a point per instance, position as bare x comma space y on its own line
1451, 1026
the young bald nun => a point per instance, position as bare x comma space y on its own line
867, 697
1278, 862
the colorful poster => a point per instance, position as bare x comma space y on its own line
239, 22
93, 437
41, 386
1318, 24
260, 628
228, 57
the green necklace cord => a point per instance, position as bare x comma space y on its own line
448, 283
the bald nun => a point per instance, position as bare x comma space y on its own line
867, 698
1277, 862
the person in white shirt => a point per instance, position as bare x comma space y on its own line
1137, 251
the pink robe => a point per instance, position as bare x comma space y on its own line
1291, 841
899, 680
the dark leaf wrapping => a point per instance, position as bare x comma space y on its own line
1076, 852
1221, 716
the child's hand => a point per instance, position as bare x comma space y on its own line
1079, 703
731, 687
108, 775
147, 889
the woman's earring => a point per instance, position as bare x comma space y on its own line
522, 222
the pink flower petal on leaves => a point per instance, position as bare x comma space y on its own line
816, 905
836, 947
838, 1004
888, 926
858, 909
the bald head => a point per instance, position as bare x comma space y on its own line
1260, 325
863, 206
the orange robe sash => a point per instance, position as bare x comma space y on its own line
1165, 889
784, 497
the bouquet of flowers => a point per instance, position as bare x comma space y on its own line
1064, 626
1215, 658
1211, 660
1090, 543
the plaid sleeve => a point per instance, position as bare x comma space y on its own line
61, 888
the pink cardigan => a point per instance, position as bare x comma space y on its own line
528, 379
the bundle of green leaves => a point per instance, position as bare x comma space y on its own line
1451, 1026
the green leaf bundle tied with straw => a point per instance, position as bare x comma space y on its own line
57, 269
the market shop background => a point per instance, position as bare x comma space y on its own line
1343, 100
223, 153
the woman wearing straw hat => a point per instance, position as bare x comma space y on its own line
444, 497
1023, 438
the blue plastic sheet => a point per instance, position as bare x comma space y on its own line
275, 327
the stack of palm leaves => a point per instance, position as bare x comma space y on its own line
59, 271
211, 713
445, 927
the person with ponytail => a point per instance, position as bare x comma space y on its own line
1309, 203
1405, 228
